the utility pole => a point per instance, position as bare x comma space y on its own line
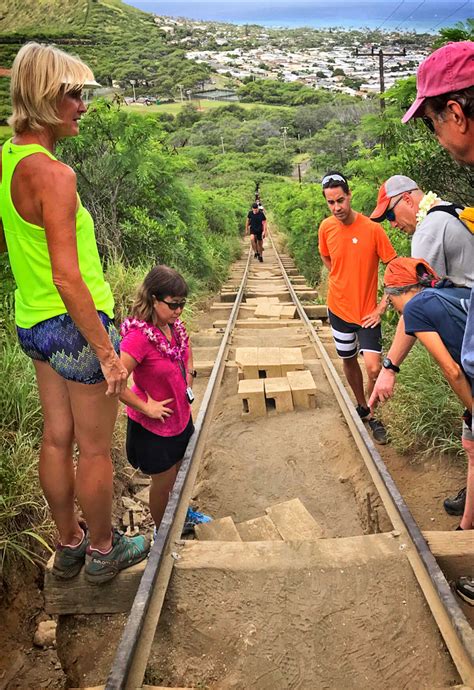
222, 144
180, 87
133, 82
381, 55
284, 130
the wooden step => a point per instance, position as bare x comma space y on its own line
278, 389
303, 389
223, 529
316, 311
258, 529
77, 596
293, 521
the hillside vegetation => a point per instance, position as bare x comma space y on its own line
175, 188
119, 42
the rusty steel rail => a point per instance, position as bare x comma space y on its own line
129, 665
452, 623
132, 653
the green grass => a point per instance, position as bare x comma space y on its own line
5, 133
202, 104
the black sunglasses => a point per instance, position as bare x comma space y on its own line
173, 305
428, 122
390, 214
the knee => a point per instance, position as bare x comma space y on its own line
58, 438
373, 370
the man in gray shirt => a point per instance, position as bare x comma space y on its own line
445, 242
437, 235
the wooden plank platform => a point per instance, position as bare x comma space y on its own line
77, 596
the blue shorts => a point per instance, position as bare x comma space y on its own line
59, 342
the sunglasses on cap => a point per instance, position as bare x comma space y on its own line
173, 305
332, 178
390, 214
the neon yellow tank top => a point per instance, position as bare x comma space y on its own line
36, 297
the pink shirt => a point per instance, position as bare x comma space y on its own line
161, 378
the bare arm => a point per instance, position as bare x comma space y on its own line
58, 203
151, 408
326, 261
189, 378
247, 224
373, 319
264, 228
452, 372
399, 349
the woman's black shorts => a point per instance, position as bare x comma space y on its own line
153, 454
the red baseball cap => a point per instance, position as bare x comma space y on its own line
395, 185
449, 68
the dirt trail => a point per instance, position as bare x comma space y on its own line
336, 613
341, 612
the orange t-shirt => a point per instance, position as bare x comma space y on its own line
355, 251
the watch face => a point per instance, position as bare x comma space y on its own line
386, 363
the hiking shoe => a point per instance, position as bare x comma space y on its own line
454, 505
68, 560
465, 588
363, 412
193, 518
378, 431
125, 552
255, 256
260, 258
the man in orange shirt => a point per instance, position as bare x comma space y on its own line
351, 247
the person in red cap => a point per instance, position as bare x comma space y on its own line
351, 247
441, 238
445, 98
445, 102
435, 313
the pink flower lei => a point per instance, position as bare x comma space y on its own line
158, 339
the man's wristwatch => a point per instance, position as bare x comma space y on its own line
388, 364
193, 373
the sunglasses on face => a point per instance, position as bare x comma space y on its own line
390, 215
428, 122
173, 305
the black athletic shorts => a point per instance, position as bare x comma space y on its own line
350, 338
257, 234
153, 454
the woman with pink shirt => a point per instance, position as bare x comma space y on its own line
155, 349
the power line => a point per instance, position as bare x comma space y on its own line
451, 15
391, 14
411, 14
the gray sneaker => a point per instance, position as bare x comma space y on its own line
68, 560
125, 552
378, 431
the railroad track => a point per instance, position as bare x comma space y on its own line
261, 600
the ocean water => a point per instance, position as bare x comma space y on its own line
400, 15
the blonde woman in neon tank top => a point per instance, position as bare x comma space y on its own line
64, 311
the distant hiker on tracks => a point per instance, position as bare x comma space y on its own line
64, 312
156, 350
351, 247
256, 224
445, 102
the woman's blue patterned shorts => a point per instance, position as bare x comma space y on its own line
59, 342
